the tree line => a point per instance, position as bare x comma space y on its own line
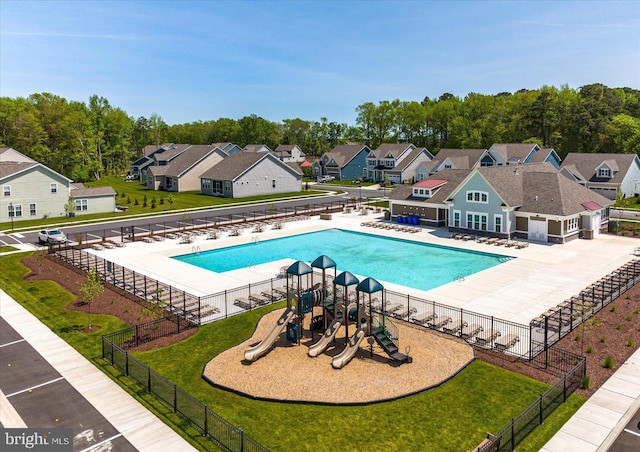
86, 140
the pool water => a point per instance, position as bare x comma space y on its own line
413, 264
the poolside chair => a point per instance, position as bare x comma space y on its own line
405, 314
501, 242
454, 327
259, 298
482, 239
269, 294
521, 245
157, 238
467, 237
393, 307
458, 236
492, 240
243, 303
97, 247
506, 342
485, 338
470, 331
441, 322
424, 318
109, 245
147, 240
510, 243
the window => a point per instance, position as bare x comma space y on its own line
448, 166
14, 210
572, 224
206, 184
498, 223
227, 185
456, 218
81, 204
32, 209
389, 163
372, 162
604, 172
273, 183
54, 187
477, 221
478, 196
6, 190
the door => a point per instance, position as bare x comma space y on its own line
595, 224
538, 229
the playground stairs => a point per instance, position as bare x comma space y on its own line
383, 338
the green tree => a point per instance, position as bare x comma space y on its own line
91, 289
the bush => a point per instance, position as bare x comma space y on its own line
136, 202
608, 362
613, 309
578, 338
590, 349
602, 339
619, 326
629, 342
628, 318
585, 383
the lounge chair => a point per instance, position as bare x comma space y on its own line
109, 245
470, 331
259, 298
147, 240
458, 236
405, 314
157, 238
269, 294
467, 237
393, 307
441, 322
454, 327
97, 247
521, 245
501, 242
506, 342
510, 243
244, 303
482, 239
485, 338
492, 240
424, 318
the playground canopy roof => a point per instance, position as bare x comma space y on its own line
323, 262
369, 285
299, 268
345, 279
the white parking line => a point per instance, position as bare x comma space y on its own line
633, 433
11, 343
34, 387
93, 235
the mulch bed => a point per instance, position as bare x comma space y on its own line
614, 331
114, 301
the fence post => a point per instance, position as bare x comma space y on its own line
102, 347
137, 335
541, 412
126, 364
513, 434
546, 341
206, 422
175, 398
149, 379
564, 388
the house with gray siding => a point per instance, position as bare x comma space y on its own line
456, 159
251, 174
31, 190
290, 153
182, 172
608, 174
346, 161
500, 154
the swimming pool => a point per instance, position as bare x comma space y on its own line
413, 264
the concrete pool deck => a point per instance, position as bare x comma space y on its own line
541, 276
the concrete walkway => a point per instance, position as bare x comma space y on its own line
601, 423
143, 430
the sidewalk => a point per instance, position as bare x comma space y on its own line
598, 423
138, 425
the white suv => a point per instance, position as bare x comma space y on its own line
51, 236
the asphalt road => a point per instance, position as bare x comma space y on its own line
629, 438
203, 218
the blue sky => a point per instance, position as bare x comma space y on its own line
203, 60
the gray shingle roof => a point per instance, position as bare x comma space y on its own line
514, 151
236, 164
185, 160
95, 191
586, 165
462, 158
394, 148
344, 153
408, 159
10, 168
454, 178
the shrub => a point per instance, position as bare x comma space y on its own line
585, 383
123, 194
578, 338
619, 326
608, 362
629, 342
136, 202
128, 200
602, 339
613, 309
590, 349
628, 318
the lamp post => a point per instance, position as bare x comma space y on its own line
11, 214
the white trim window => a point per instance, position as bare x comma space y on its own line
604, 172
477, 221
273, 183
476, 196
82, 205
227, 185
33, 209
6, 190
456, 218
497, 223
205, 184
53, 187
14, 210
572, 224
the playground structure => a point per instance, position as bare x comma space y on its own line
339, 307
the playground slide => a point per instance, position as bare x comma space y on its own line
255, 352
345, 356
327, 337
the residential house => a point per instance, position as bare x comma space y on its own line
290, 153
31, 190
138, 169
229, 148
607, 174
251, 174
518, 153
532, 201
346, 161
396, 161
182, 171
452, 159
256, 148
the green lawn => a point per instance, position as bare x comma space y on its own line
455, 416
7, 248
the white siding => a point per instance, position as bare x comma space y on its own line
259, 180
